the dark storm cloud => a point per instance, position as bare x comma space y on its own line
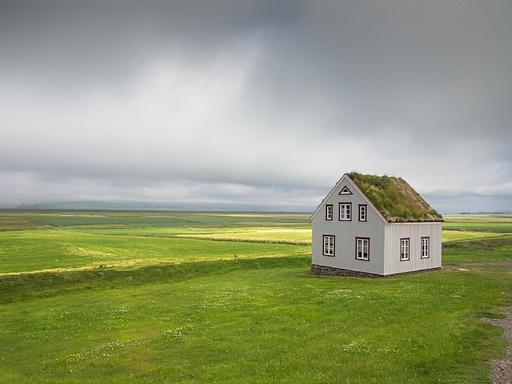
156, 99
84, 43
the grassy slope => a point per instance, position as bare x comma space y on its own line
37, 250
256, 321
249, 320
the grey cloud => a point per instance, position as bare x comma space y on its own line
275, 96
96, 43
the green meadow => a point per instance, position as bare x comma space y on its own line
198, 297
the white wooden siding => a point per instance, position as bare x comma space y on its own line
413, 231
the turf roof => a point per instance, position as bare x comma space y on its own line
395, 199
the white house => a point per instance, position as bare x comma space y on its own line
374, 225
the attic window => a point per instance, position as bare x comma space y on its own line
345, 191
345, 211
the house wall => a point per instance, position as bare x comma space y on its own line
414, 232
345, 233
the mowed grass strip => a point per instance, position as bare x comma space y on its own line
267, 321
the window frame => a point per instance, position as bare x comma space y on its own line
425, 251
331, 246
405, 256
327, 216
361, 241
347, 212
363, 217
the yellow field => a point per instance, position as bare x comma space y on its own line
289, 235
449, 235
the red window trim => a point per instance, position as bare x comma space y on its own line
428, 247
332, 212
333, 245
365, 212
339, 211
408, 248
362, 238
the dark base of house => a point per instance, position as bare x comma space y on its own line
331, 271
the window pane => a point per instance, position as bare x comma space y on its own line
328, 212
345, 209
425, 247
362, 213
329, 245
362, 251
404, 251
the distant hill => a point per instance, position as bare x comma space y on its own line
91, 205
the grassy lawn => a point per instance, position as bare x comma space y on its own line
129, 303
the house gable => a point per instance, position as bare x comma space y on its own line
345, 187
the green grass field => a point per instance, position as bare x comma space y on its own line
128, 297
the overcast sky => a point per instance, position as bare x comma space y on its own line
255, 104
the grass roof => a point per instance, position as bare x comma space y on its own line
396, 200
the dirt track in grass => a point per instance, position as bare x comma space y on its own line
502, 369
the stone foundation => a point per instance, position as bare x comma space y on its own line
331, 271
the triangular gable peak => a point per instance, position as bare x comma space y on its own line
344, 186
345, 191
394, 198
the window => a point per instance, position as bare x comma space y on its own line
425, 247
404, 249
328, 245
328, 212
362, 212
345, 211
362, 248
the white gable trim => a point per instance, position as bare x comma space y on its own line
345, 176
326, 198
